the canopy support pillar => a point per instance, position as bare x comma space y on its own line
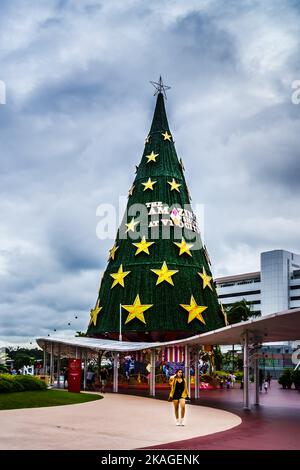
246, 371
115, 372
152, 373
187, 367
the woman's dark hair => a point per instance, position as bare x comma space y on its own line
178, 371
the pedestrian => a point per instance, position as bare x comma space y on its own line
90, 379
178, 395
233, 379
228, 381
127, 368
269, 378
103, 378
166, 371
66, 372
266, 386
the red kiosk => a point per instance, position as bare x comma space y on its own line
74, 375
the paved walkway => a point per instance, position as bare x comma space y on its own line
116, 422
274, 425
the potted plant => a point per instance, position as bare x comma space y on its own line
286, 379
296, 379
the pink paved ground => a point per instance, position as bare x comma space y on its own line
274, 425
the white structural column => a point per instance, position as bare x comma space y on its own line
256, 380
152, 373
187, 367
51, 364
115, 372
84, 370
246, 371
58, 367
197, 373
45, 360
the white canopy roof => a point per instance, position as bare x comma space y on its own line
281, 326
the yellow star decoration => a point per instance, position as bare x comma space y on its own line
206, 279
143, 245
224, 314
167, 136
131, 225
174, 185
136, 310
195, 311
184, 247
95, 312
149, 184
152, 157
119, 277
164, 274
130, 192
112, 252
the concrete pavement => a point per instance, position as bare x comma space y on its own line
116, 422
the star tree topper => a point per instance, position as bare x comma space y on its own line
160, 87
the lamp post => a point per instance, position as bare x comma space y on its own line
120, 324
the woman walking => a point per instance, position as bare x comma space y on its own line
178, 395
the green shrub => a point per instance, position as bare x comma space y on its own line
20, 383
6, 386
239, 375
211, 379
29, 382
215, 380
205, 378
222, 374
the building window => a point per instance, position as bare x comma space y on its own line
239, 294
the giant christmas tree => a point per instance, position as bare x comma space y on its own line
158, 281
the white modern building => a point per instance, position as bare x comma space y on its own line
276, 287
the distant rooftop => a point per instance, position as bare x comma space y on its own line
238, 277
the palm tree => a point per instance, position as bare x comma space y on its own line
241, 311
238, 312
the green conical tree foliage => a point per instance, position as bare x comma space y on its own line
168, 291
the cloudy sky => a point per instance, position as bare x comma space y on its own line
78, 106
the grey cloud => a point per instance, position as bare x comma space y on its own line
78, 108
